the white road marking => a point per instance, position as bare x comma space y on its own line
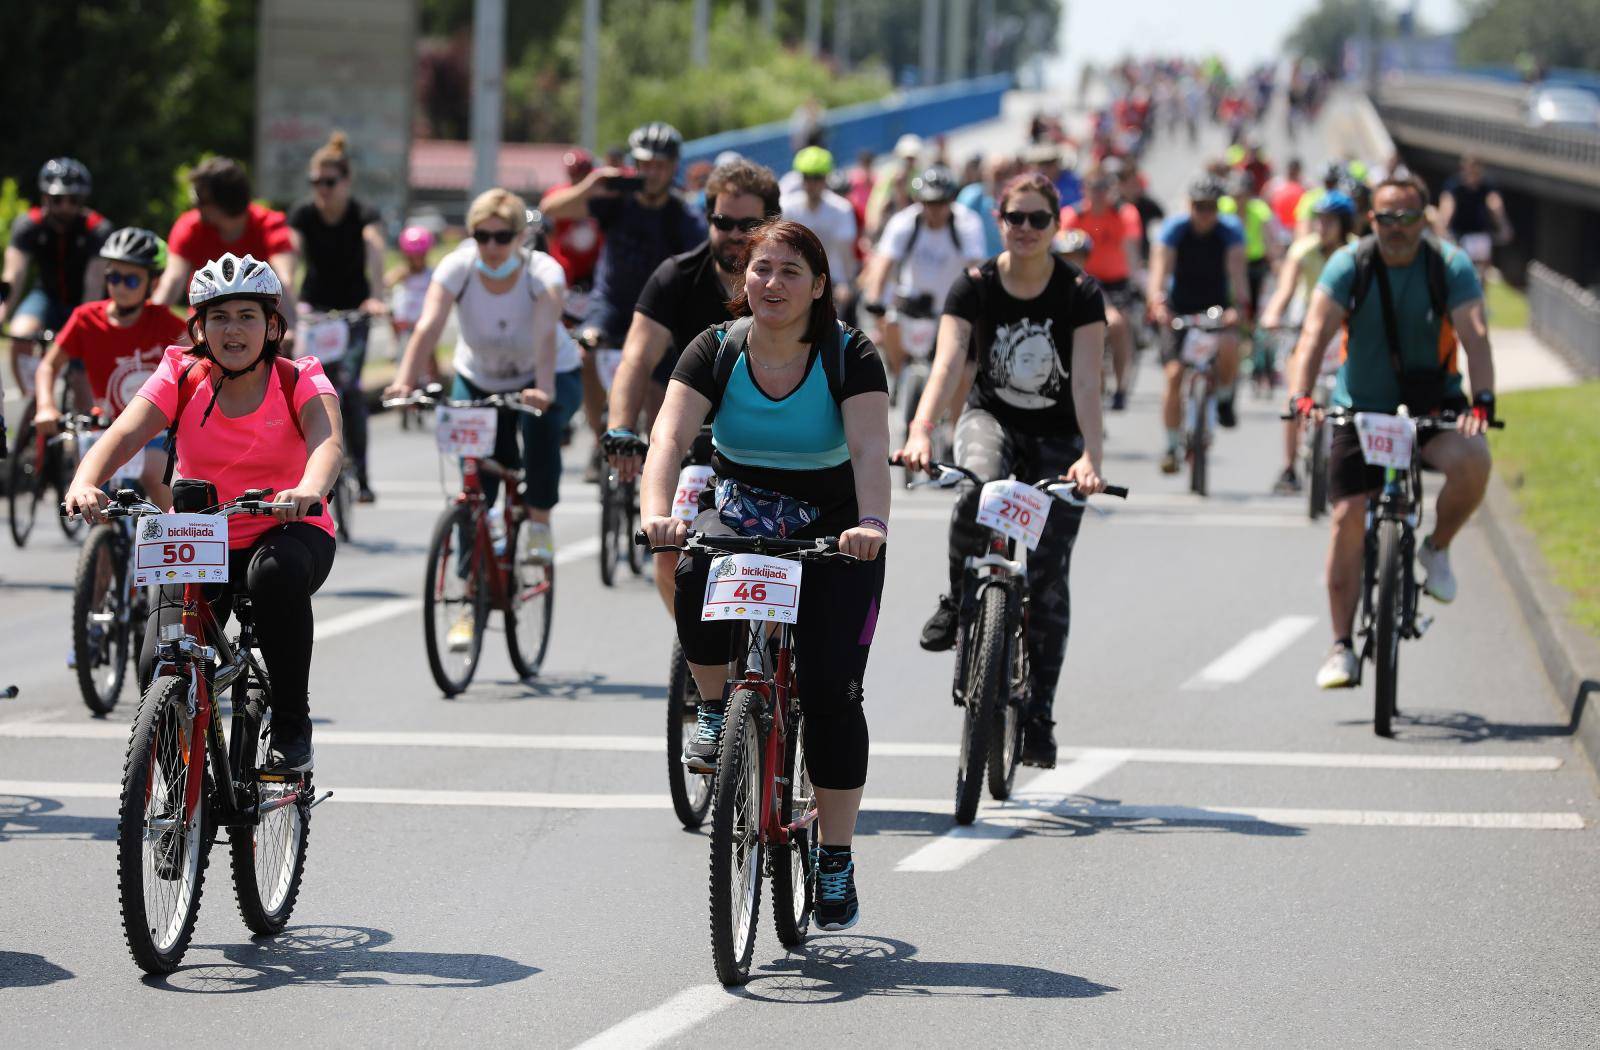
1013, 818
1251, 654
962, 845
378, 612
35, 728
672, 1018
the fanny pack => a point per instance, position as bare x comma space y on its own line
753, 511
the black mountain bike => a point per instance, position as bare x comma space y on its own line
992, 678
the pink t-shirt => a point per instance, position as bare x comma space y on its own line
257, 451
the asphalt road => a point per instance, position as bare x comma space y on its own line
1225, 856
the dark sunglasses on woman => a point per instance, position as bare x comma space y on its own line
1039, 220
497, 236
324, 183
727, 223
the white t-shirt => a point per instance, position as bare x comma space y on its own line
834, 222
405, 302
500, 334
935, 261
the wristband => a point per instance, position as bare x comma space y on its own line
1483, 405
926, 426
877, 523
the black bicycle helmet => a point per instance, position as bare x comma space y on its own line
655, 139
64, 176
137, 247
1332, 174
1207, 187
936, 184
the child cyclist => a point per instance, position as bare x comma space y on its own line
407, 282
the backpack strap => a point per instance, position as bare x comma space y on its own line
833, 360
1370, 270
730, 344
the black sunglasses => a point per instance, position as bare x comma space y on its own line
497, 236
1039, 220
727, 223
1408, 217
63, 198
132, 280
324, 183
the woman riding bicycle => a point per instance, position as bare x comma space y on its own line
1038, 325
801, 436
231, 398
508, 302
341, 240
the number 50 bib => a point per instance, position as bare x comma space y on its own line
181, 548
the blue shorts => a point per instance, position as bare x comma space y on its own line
45, 308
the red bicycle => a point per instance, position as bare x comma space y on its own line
471, 569
763, 803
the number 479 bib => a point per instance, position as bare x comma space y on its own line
181, 548
1014, 509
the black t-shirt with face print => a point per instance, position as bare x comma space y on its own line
1023, 347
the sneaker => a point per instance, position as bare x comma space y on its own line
541, 543
1169, 461
364, 494
1288, 483
1039, 743
1340, 669
1119, 401
1440, 582
701, 754
939, 633
459, 638
291, 746
836, 907
1225, 414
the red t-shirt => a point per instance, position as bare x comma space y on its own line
118, 360
266, 233
1285, 199
575, 244
1108, 262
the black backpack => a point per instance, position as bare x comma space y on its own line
731, 342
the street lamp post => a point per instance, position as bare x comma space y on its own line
488, 68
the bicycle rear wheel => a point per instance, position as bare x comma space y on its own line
100, 626
630, 523
1391, 576
984, 690
736, 841
691, 792
791, 863
610, 528
531, 600
454, 601
162, 845
269, 858
61, 463
1005, 743
23, 485
1317, 471
1199, 438
342, 505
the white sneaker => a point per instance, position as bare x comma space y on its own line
540, 543
1439, 582
1338, 671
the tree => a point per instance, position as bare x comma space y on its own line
1322, 34
1555, 33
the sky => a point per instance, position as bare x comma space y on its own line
1244, 32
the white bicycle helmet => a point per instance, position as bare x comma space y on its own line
231, 277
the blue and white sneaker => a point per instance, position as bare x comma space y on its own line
700, 756
836, 905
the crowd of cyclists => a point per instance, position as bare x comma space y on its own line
763, 323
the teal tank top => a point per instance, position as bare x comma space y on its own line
804, 431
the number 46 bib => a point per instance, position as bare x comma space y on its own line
752, 587
1014, 509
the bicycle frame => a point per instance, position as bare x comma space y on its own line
483, 556
776, 688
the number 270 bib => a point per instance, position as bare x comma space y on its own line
1014, 509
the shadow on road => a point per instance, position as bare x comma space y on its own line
833, 969
1074, 817
337, 957
1463, 727
26, 970
560, 687
30, 817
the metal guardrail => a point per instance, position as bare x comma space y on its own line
1557, 144
1566, 316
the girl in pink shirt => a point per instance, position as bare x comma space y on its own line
235, 431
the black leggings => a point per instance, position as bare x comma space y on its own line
838, 614
281, 570
992, 452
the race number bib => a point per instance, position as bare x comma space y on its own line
1200, 347
686, 499
918, 334
324, 340
1386, 441
181, 548
467, 432
607, 362
130, 470
752, 587
1014, 510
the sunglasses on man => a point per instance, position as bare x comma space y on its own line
62, 200
497, 236
325, 183
132, 280
727, 223
1408, 217
1039, 220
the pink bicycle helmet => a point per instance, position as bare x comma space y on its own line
416, 240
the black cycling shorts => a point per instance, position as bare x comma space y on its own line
1348, 472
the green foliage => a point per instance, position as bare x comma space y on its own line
133, 88
1555, 33
1321, 34
12, 204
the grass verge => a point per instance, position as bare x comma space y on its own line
1508, 308
1549, 456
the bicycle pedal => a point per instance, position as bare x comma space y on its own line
1420, 625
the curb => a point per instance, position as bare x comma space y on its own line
1571, 658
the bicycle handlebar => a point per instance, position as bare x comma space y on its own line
949, 475
431, 396
127, 503
1438, 421
822, 548
1210, 321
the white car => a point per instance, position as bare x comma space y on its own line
1563, 107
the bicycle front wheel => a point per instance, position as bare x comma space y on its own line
162, 843
791, 863
736, 841
269, 858
100, 627
23, 485
1391, 577
1199, 438
455, 602
1317, 471
342, 502
691, 792
1005, 741
530, 602
610, 529
984, 691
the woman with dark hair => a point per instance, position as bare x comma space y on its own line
1038, 324
242, 418
801, 409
